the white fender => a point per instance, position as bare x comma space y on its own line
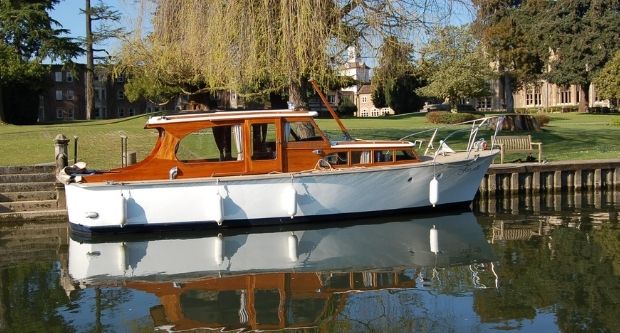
218, 249
216, 207
434, 240
121, 206
292, 247
289, 200
433, 191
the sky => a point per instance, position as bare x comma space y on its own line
68, 14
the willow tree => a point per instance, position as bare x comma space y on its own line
259, 46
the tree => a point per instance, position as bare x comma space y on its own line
583, 36
607, 82
27, 37
510, 34
395, 79
346, 107
378, 96
455, 66
105, 15
258, 46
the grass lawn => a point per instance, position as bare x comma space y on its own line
568, 136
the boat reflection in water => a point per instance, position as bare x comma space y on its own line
274, 278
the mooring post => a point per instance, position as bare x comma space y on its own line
75, 149
61, 153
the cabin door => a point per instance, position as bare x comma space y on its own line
265, 147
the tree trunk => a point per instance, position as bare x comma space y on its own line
508, 88
584, 100
2, 117
296, 94
90, 90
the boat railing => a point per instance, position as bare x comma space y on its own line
473, 143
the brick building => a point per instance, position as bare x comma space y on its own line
65, 99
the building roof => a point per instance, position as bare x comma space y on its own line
365, 89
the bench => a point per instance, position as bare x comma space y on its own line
515, 143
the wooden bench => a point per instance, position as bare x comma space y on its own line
515, 143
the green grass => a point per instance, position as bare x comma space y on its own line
569, 136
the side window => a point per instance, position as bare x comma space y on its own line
360, 157
219, 143
301, 131
264, 141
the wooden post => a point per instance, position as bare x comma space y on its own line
514, 182
484, 186
492, 184
616, 181
527, 182
557, 180
536, 182
578, 182
597, 178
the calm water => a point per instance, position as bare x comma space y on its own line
542, 264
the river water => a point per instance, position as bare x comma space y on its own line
520, 264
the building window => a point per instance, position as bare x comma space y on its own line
533, 96
364, 99
64, 114
59, 95
70, 95
331, 99
484, 103
69, 77
120, 95
121, 112
131, 112
97, 113
120, 78
565, 95
99, 95
58, 76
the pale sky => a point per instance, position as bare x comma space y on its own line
68, 14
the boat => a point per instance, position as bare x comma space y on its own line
231, 279
240, 168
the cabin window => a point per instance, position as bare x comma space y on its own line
219, 143
301, 131
337, 159
360, 157
382, 156
263, 141
405, 155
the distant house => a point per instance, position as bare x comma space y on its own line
365, 106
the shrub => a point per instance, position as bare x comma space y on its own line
346, 107
445, 117
542, 119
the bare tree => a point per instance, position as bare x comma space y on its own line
104, 15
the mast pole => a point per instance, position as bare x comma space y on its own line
330, 109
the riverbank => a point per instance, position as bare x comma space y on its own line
568, 136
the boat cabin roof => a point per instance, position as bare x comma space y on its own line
226, 116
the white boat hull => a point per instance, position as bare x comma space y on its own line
275, 198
